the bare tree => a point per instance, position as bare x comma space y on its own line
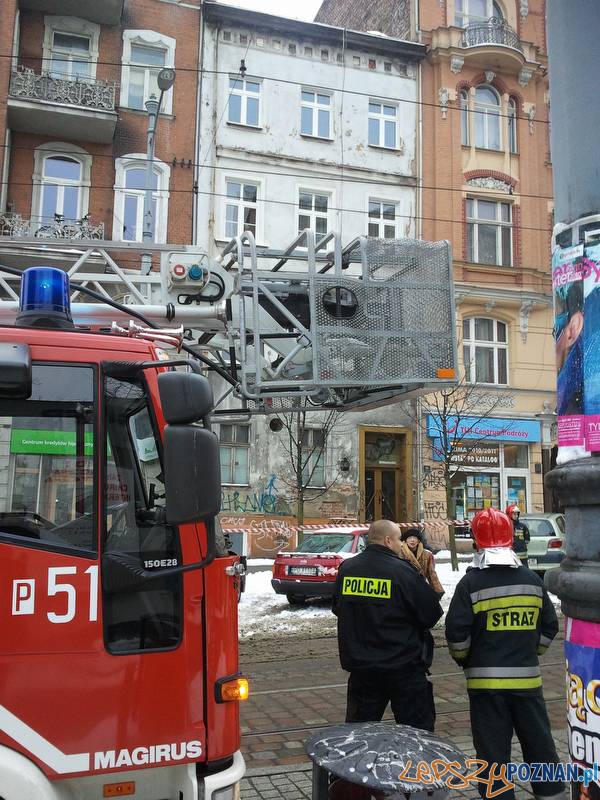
457, 411
304, 437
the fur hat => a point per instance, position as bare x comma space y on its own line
412, 532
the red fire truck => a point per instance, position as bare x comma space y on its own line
119, 661
119, 615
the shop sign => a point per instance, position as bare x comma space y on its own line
479, 454
519, 431
55, 443
582, 643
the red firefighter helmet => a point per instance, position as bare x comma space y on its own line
510, 509
492, 528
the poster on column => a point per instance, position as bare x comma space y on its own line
582, 652
567, 291
591, 346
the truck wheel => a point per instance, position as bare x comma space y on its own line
295, 599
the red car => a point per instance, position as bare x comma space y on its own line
311, 569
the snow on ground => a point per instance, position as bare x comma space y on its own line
264, 614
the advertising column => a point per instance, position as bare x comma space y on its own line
575, 116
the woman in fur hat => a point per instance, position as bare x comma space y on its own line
415, 553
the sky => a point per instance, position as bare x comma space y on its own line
305, 9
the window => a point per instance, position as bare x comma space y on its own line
324, 55
313, 457
382, 219
356, 61
226, 36
512, 125
240, 208
243, 38
130, 187
70, 56
313, 212
145, 53
308, 52
61, 182
315, 114
149, 617
372, 63
387, 66
70, 48
485, 351
382, 125
487, 118
235, 451
244, 102
292, 49
489, 232
47, 469
464, 117
472, 12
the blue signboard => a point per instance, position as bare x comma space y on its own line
518, 431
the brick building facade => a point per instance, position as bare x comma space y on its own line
72, 114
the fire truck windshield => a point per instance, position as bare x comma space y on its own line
47, 459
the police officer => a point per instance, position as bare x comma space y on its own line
520, 533
385, 609
499, 621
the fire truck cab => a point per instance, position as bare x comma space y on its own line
118, 662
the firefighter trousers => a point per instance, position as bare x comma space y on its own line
410, 694
494, 718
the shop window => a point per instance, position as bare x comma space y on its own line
485, 351
516, 456
235, 452
489, 232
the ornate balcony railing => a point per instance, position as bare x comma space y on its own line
494, 31
93, 94
16, 226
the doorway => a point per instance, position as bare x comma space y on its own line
385, 472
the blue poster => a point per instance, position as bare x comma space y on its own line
583, 701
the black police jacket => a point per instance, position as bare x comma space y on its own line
384, 609
499, 621
520, 538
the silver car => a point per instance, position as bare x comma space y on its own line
546, 548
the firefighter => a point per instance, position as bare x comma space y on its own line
385, 609
499, 621
520, 533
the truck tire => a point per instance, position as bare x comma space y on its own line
295, 599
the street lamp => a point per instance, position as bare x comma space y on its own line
165, 80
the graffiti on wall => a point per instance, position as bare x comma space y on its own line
263, 501
435, 509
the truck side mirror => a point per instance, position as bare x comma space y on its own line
191, 453
15, 370
185, 397
192, 470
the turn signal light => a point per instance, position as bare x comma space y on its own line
446, 373
232, 688
118, 789
555, 543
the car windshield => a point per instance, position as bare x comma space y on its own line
539, 527
326, 543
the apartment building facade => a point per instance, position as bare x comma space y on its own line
486, 185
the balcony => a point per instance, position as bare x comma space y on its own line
494, 31
62, 108
104, 12
17, 227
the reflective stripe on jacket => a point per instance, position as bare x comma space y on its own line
499, 621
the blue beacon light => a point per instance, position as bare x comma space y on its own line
45, 301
